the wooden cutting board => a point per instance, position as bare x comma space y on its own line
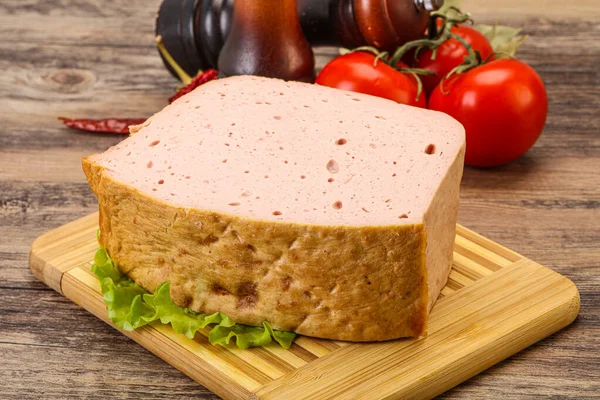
495, 304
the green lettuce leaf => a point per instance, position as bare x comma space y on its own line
284, 339
249, 336
129, 307
182, 320
103, 267
123, 298
245, 336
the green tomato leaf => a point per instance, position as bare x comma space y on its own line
505, 40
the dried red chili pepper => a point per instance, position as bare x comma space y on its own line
107, 125
198, 80
189, 83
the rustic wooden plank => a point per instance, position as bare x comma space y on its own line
516, 9
39, 164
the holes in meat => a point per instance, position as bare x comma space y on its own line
333, 166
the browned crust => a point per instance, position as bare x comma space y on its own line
338, 282
440, 223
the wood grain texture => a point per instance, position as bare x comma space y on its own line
92, 58
495, 304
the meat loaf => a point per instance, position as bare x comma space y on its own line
325, 212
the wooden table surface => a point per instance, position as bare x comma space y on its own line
93, 58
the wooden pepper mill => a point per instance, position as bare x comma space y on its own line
194, 31
266, 39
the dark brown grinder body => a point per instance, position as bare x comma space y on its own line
266, 39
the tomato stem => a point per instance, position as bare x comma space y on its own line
471, 61
381, 56
435, 36
402, 50
384, 56
369, 49
459, 18
472, 54
419, 85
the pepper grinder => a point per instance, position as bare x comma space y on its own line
266, 39
195, 31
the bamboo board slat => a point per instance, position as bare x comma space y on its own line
495, 304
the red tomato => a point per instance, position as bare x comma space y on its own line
450, 54
503, 106
356, 72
